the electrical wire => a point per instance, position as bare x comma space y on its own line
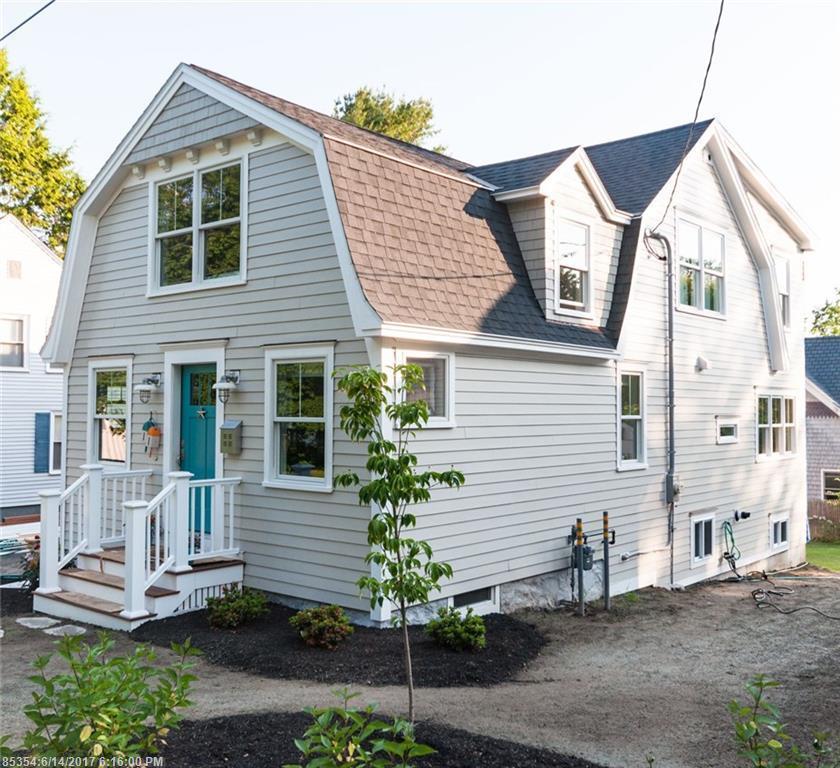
694, 121
27, 20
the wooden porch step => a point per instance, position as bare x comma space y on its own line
86, 601
118, 556
113, 581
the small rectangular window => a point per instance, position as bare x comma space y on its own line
700, 253
14, 269
111, 407
783, 282
727, 429
572, 267
438, 379
12, 342
831, 485
298, 449
631, 435
473, 597
702, 539
55, 444
779, 532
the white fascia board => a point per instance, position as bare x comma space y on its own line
764, 190
59, 345
517, 194
451, 336
817, 392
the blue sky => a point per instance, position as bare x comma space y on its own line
506, 79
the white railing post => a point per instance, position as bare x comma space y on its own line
48, 548
94, 507
135, 559
180, 520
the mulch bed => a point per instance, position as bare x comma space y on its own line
270, 647
266, 741
14, 602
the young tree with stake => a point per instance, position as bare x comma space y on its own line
407, 572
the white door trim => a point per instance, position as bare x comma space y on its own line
173, 359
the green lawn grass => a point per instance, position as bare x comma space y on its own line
824, 555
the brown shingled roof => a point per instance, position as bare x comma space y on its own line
430, 245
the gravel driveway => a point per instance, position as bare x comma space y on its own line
652, 678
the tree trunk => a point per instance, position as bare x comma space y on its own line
408, 673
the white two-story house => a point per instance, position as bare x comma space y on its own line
237, 250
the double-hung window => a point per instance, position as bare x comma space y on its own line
298, 431
110, 418
572, 269
701, 259
831, 484
198, 228
438, 377
783, 282
13, 343
776, 425
631, 424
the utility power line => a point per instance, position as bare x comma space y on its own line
27, 20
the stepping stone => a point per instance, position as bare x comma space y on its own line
64, 630
37, 622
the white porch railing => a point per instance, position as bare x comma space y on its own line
212, 517
117, 488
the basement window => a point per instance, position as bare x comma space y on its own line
702, 539
779, 532
482, 601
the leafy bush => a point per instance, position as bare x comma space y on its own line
235, 607
353, 737
323, 626
763, 737
460, 632
31, 575
108, 708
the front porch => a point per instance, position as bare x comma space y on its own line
112, 557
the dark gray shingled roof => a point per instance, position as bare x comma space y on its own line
634, 170
523, 172
822, 364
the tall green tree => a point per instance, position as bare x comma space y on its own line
410, 120
37, 181
826, 320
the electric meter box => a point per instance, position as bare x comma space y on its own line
230, 437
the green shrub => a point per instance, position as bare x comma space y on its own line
353, 737
323, 626
460, 632
763, 738
235, 607
106, 708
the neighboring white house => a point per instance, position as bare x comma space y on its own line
237, 249
822, 366
30, 391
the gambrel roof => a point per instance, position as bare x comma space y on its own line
423, 240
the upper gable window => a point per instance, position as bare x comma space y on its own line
198, 234
700, 251
572, 272
783, 281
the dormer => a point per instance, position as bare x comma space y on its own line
568, 230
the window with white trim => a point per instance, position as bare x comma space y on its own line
14, 269
831, 484
700, 252
776, 426
299, 419
481, 601
783, 281
55, 443
572, 279
198, 235
779, 531
702, 538
110, 414
726, 429
438, 378
631, 423
13, 343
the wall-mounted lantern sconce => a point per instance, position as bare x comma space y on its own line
226, 385
145, 388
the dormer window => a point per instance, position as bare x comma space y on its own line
572, 268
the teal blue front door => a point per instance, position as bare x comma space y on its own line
198, 435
